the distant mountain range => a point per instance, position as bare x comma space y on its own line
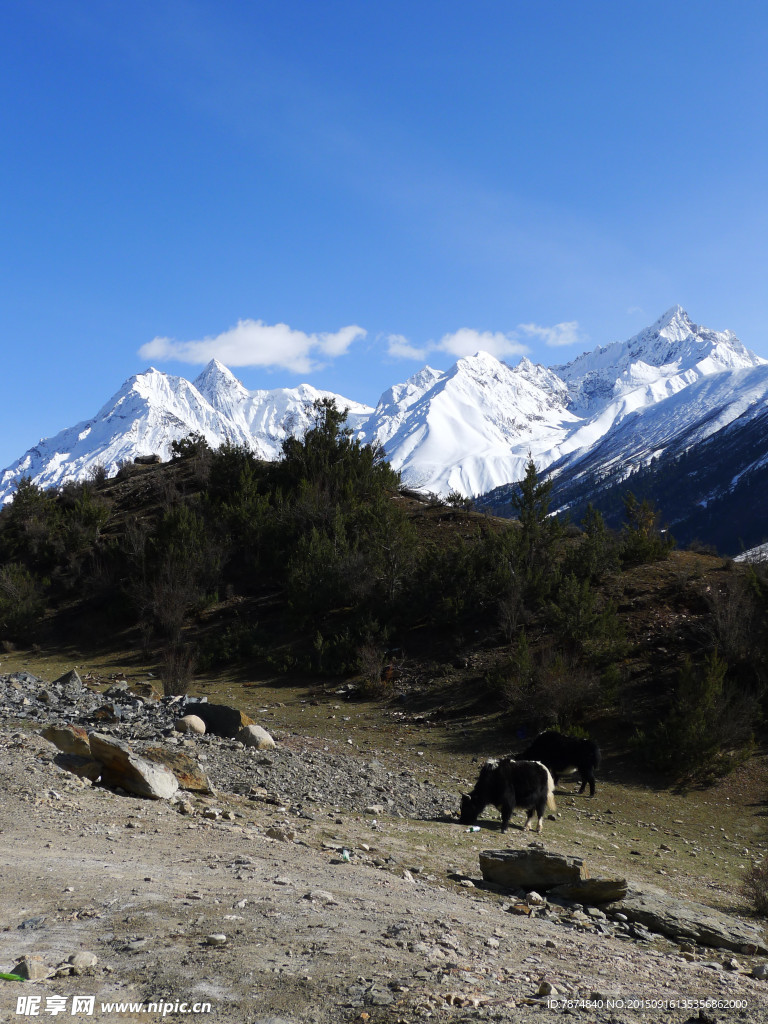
679, 413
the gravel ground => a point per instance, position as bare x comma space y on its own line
314, 885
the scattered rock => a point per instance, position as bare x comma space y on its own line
591, 890
32, 968
82, 961
70, 680
283, 835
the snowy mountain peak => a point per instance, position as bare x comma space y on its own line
217, 380
675, 320
469, 428
660, 360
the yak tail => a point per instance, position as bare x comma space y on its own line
550, 791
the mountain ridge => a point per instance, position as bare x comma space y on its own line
469, 429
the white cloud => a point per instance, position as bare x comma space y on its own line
466, 341
561, 334
399, 347
254, 343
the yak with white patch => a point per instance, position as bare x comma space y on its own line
509, 784
565, 754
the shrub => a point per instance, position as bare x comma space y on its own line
177, 669
586, 623
546, 688
370, 663
707, 718
535, 540
596, 552
21, 603
754, 887
643, 540
190, 447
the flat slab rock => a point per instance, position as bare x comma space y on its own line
668, 915
531, 869
568, 877
591, 891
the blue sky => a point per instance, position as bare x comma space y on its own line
342, 191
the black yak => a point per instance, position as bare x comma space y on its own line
509, 784
565, 754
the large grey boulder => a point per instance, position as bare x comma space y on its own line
534, 868
668, 915
220, 719
122, 767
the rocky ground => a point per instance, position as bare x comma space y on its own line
316, 882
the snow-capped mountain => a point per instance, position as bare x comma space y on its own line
471, 427
610, 412
153, 409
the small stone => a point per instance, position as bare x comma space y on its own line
216, 939
321, 896
32, 923
255, 736
82, 961
283, 835
32, 968
192, 724
377, 995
